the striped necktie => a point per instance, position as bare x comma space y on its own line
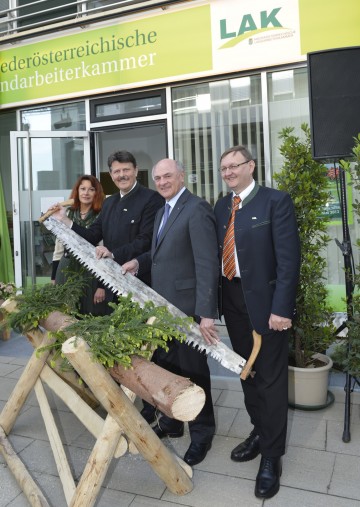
229, 243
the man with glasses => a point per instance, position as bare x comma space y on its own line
260, 260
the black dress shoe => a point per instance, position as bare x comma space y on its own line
196, 453
162, 433
248, 449
149, 414
268, 478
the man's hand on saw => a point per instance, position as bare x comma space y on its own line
130, 267
208, 331
59, 213
102, 252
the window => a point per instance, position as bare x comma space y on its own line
208, 118
61, 117
132, 105
288, 104
19, 16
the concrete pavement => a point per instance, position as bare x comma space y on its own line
318, 468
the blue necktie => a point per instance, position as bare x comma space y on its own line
165, 217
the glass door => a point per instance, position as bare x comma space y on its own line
146, 141
44, 166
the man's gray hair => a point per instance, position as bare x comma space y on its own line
179, 166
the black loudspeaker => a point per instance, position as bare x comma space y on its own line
334, 93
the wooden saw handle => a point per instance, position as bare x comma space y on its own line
68, 202
250, 362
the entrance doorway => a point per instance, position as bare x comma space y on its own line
44, 166
146, 141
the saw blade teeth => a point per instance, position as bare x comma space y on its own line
110, 273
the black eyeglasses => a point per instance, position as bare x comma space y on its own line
232, 167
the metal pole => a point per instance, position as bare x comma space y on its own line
349, 287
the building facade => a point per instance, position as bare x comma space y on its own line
185, 79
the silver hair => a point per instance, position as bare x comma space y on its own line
179, 166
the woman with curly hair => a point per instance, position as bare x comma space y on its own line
88, 198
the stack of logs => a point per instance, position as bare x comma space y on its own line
173, 395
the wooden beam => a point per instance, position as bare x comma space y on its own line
126, 415
97, 465
57, 447
22, 476
23, 387
175, 396
86, 415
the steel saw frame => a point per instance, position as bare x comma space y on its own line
110, 273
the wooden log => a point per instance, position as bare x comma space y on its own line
22, 389
172, 394
70, 377
90, 419
97, 465
4, 329
57, 447
22, 476
175, 396
132, 396
126, 415
37, 338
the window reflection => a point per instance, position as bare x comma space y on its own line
208, 118
64, 117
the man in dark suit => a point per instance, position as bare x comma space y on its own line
126, 222
260, 253
184, 270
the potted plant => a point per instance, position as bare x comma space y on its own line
6, 291
346, 353
312, 332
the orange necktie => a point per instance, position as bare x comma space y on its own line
229, 243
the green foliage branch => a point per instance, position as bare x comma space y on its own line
115, 338
306, 181
37, 302
112, 338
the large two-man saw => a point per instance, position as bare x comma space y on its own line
110, 273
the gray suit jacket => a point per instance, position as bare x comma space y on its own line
184, 263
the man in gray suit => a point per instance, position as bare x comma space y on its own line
184, 269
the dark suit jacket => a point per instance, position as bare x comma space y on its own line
125, 225
184, 263
268, 249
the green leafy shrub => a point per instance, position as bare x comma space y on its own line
306, 181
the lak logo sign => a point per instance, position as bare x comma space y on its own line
249, 26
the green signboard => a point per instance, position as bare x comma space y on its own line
149, 49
